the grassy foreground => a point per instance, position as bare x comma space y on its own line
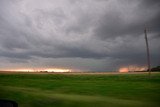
71, 90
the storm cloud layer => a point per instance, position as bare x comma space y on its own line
95, 35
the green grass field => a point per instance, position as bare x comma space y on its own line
76, 90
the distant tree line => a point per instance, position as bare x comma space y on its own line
155, 69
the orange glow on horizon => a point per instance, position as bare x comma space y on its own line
132, 68
40, 69
21, 70
57, 70
123, 69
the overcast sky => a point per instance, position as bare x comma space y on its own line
95, 35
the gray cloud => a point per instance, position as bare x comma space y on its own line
106, 34
129, 20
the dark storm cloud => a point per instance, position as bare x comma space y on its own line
18, 55
130, 21
95, 30
113, 25
150, 3
154, 23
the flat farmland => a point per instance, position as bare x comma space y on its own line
81, 89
